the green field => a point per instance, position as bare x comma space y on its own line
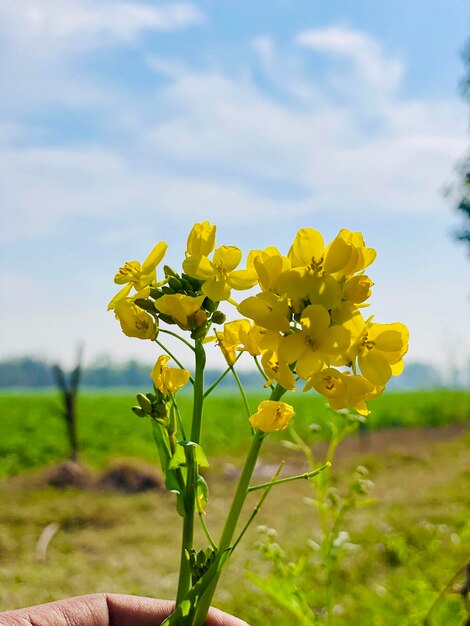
32, 433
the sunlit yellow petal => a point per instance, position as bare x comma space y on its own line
242, 279
308, 363
216, 290
325, 290
227, 258
291, 347
198, 267
308, 247
201, 240
272, 416
337, 255
121, 295
154, 258
315, 320
375, 367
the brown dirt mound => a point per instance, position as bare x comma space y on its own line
67, 474
130, 477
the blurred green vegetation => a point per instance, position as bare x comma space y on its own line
32, 432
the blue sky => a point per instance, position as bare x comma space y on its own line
124, 122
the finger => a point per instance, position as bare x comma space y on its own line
105, 610
124, 610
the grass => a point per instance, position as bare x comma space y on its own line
410, 542
33, 433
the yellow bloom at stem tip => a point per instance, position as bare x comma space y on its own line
135, 322
201, 240
133, 274
185, 310
272, 416
220, 275
168, 379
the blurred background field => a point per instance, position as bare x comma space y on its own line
406, 546
107, 427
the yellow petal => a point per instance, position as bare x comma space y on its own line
374, 367
216, 290
325, 290
293, 283
154, 258
315, 320
337, 256
308, 246
272, 416
335, 340
227, 257
308, 363
242, 279
201, 240
291, 347
121, 295
199, 267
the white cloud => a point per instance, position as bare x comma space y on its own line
365, 53
83, 23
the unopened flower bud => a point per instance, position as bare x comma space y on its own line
218, 317
144, 403
168, 271
139, 411
175, 284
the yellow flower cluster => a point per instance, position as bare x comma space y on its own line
305, 323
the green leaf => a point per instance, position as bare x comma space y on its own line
179, 457
202, 492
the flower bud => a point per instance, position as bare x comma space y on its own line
144, 403
218, 317
168, 271
139, 411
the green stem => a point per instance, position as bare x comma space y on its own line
221, 377
289, 479
259, 504
242, 392
234, 513
184, 582
261, 371
206, 531
170, 332
178, 363
196, 423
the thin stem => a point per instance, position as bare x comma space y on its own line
178, 363
289, 479
196, 423
261, 371
178, 416
206, 530
170, 332
184, 581
234, 513
221, 377
242, 392
254, 513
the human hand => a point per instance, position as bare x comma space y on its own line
103, 609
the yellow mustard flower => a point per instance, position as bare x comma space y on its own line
220, 275
277, 369
381, 350
317, 343
343, 390
185, 310
168, 379
135, 322
201, 240
357, 289
267, 310
133, 274
272, 416
230, 340
361, 256
269, 265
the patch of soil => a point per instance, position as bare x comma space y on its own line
130, 477
67, 474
